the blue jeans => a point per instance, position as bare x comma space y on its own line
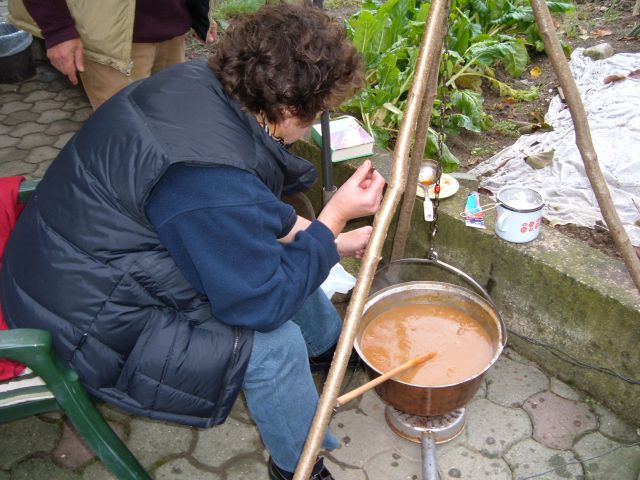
278, 385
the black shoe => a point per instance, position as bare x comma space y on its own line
319, 472
323, 362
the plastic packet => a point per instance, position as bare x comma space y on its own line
473, 214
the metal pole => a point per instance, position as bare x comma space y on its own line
328, 188
433, 35
429, 462
584, 142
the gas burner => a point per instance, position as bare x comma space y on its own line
441, 428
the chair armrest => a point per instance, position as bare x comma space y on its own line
24, 345
27, 188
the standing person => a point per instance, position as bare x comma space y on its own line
111, 43
158, 253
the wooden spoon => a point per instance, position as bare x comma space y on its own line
347, 397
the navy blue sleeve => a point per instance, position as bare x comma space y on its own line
221, 225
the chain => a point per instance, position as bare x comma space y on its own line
433, 254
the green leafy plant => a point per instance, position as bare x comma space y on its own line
482, 35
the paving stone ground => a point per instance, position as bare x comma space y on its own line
522, 423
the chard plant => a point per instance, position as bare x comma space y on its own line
482, 35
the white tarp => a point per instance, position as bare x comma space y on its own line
614, 118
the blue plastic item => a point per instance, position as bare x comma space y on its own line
16, 60
13, 40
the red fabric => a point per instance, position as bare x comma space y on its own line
9, 211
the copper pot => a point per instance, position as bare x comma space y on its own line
418, 399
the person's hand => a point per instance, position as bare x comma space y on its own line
67, 57
358, 197
354, 242
212, 34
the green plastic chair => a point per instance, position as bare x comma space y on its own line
49, 385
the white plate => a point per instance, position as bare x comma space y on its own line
448, 186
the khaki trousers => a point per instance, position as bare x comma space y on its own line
100, 82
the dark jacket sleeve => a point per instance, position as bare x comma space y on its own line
54, 19
199, 11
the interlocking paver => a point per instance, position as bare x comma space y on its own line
246, 468
510, 383
53, 115
72, 452
214, 447
28, 436
97, 471
38, 96
63, 139
557, 422
81, 115
74, 103
41, 169
530, 457
12, 107
33, 86
560, 388
40, 468
614, 427
46, 105
151, 440
467, 464
183, 470
20, 117
65, 125
25, 129
492, 429
34, 140
8, 141
10, 96
605, 459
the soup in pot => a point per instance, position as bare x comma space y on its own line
464, 348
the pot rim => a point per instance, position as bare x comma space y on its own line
387, 291
502, 203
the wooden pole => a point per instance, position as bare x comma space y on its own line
417, 154
584, 143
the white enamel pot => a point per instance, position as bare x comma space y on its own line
519, 214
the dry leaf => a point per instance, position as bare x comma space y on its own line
613, 78
535, 72
600, 32
635, 75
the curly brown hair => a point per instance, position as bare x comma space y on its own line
288, 58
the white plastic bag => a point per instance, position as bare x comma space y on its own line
339, 280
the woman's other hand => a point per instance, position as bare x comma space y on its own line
354, 242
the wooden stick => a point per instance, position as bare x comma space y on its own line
347, 397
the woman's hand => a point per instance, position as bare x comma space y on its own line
354, 242
359, 196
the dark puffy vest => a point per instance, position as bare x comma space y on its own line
84, 263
